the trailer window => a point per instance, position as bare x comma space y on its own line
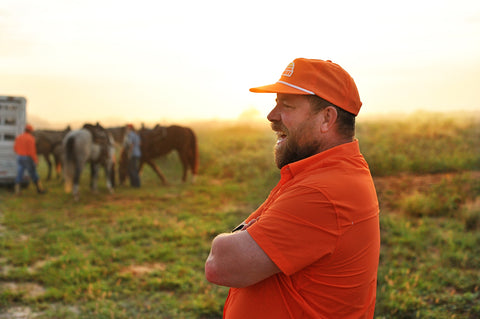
10, 121
9, 137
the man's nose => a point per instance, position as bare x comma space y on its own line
273, 115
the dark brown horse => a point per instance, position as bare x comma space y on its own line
49, 143
159, 142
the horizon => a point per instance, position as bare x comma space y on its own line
248, 117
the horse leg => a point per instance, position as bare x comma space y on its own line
76, 180
49, 164
75, 192
112, 175
58, 169
93, 176
122, 167
109, 176
58, 165
157, 170
184, 160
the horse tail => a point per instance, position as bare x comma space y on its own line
193, 158
69, 149
70, 163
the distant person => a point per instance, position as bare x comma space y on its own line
311, 250
132, 147
27, 159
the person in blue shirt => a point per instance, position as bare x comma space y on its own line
132, 146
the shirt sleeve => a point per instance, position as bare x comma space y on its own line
299, 228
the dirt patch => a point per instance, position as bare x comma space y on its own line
392, 188
406, 182
29, 290
18, 313
40, 264
140, 270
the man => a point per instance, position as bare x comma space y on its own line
311, 249
27, 159
132, 147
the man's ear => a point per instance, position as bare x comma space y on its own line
329, 118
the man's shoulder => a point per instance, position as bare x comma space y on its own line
24, 137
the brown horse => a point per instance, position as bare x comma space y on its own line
159, 142
47, 143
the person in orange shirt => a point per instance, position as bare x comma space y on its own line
27, 159
311, 250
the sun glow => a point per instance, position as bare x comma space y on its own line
154, 61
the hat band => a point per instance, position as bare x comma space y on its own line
297, 87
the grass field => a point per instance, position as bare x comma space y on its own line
139, 253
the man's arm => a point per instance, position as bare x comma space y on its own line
236, 260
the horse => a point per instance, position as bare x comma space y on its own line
118, 133
47, 143
92, 144
160, 141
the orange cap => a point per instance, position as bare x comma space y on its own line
317, 77
29, 128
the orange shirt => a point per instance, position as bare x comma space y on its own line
25, 146
320, 226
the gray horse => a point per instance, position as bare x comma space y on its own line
91, 144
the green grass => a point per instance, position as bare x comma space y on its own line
421, 143
139, 253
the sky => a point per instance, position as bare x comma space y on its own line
172, 61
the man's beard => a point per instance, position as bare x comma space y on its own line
292, 149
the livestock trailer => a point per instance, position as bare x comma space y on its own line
13, 117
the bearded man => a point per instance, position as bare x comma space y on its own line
311, 249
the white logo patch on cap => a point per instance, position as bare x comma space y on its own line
289, 70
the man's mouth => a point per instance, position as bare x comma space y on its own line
281, 136
280, 131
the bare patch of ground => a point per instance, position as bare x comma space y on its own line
19, 313
29, 290
394, 187
139, 270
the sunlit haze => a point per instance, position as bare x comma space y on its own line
173, 61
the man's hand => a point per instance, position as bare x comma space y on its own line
244, 226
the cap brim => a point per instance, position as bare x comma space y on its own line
278, 88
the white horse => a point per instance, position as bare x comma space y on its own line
91, 144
